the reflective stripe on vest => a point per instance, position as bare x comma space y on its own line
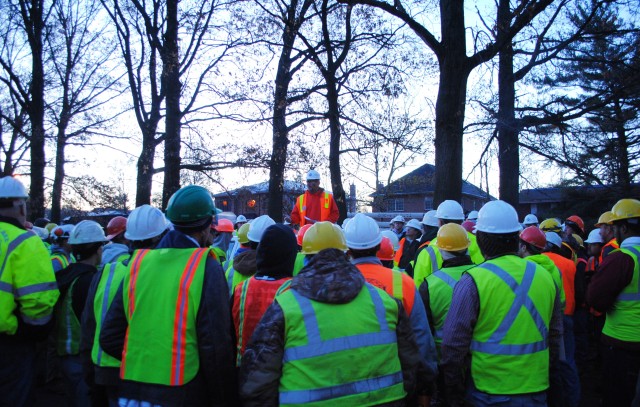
178, 334
263, 293
341, 390
105, 292
324, 208
631, 296
67, 325
365, 336
12, 246
450, 281
318, 347
622, 317
493, 345
435, 264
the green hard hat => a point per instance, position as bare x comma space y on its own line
190, 204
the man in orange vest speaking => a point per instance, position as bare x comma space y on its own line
315, 205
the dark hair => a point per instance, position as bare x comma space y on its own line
85, 250
456, 221
494, 245
147, 243
6, 203
193, 227
356, 254
530, 248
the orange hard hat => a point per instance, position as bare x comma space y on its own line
224, 225
386, 249
301, 233
116, 226
575, 220
534, 236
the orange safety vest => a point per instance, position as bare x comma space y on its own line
324, 209
568, 270
251, 299
611, 243
591, 265
394, 283
398, 255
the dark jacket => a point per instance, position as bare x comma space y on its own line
276, 253
331, 278
245, 263
215, 383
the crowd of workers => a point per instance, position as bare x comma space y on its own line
183, 308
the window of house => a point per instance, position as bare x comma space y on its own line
428, 203
396, 205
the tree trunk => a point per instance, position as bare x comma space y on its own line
450, 103
280, 130
623, 177
508, 148
58, 180
145, 165
171, 83
34, 25
334, 148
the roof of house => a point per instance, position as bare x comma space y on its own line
263, 188
421, 181
559, 194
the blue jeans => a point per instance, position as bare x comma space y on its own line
77, 388
568, 369
481, 399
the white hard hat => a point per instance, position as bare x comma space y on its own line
241, 218
450, 210
12, 188
530, 219
62, 231
554, 239
393, 237
362, 232
498, 217
345, 222
473, 215
87, 231
144, 223
414, 223
44, 233
258, 226
430, 219
313, 174
594, 237
398, 218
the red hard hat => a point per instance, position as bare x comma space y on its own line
224, 225
386, 249
576, 220
301, 233
116, 226
534, 236
468, 226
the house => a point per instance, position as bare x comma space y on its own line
413, 193
252, 200
588, 201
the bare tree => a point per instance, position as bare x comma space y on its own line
149, 38
27, 85
78, 51
455, 66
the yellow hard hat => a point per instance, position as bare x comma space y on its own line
242, 233
550, 225
452, 238
626, 209
604, 219
50, 226
323, 235
578, 239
